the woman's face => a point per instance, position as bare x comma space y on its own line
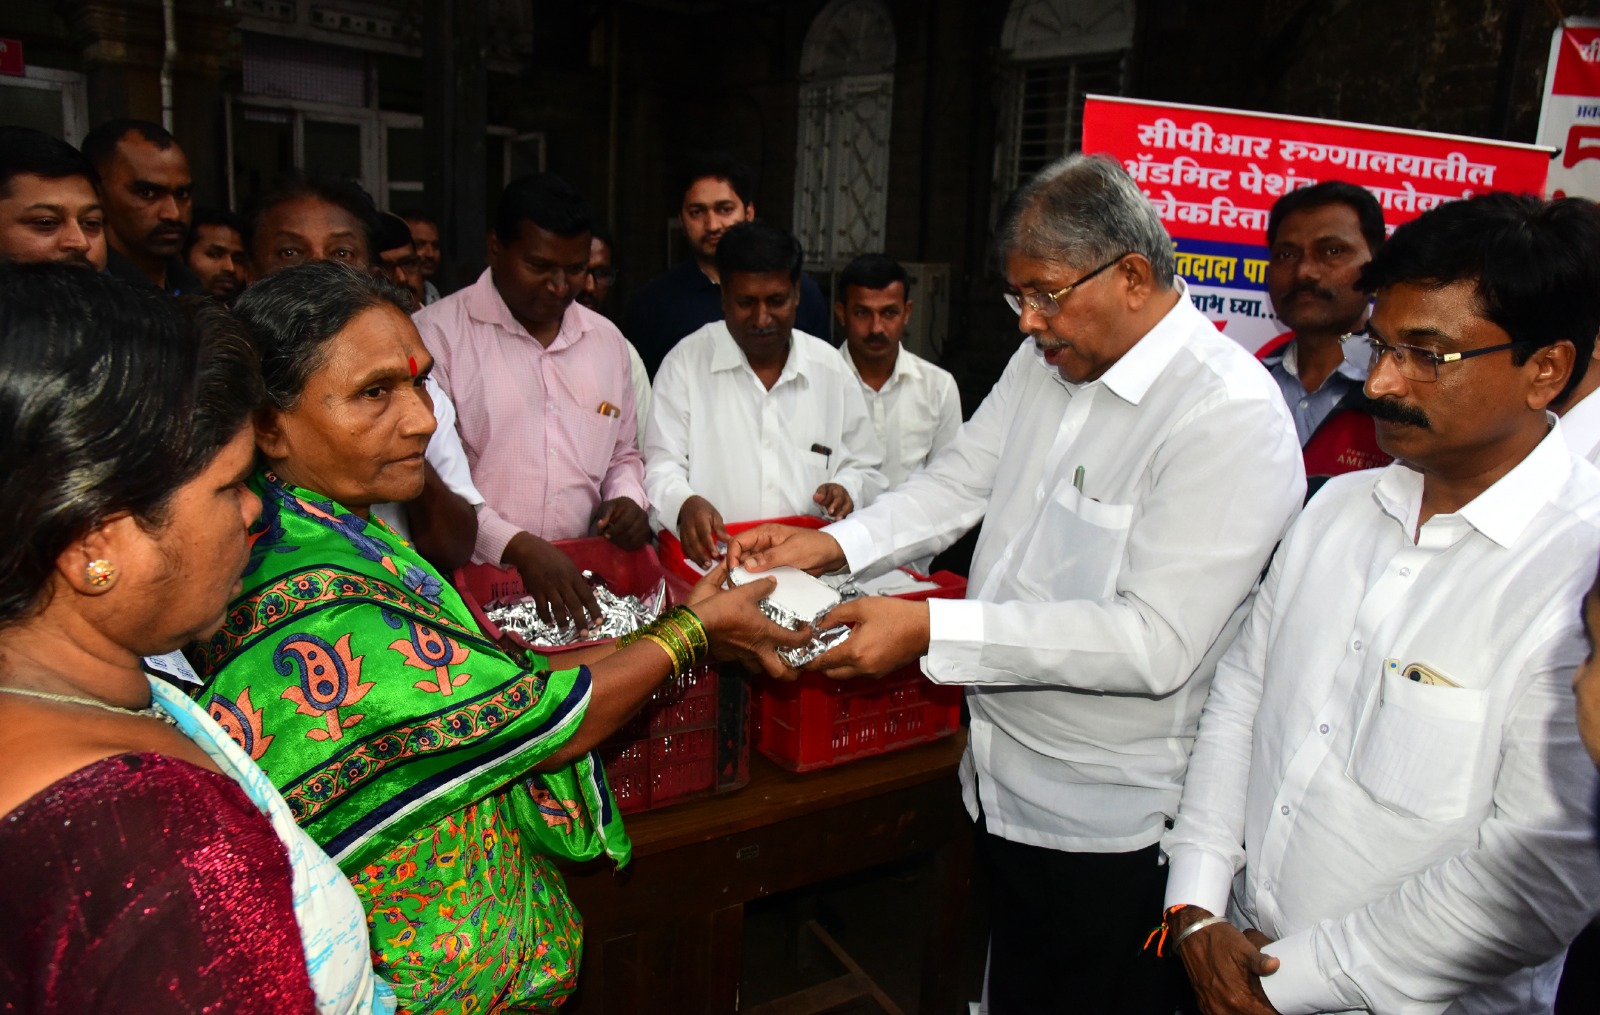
359, 431
1586, 683
188, 567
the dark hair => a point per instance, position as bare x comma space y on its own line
717, 166
211, 217
111, 398
345, 194
102, 142
1319, 195
24, 150
392, 233
757, 248
546, 200
1535, 266
291, 315
418, 215
873, 271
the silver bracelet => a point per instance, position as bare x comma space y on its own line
1197, 925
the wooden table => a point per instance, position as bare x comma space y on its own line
668, 935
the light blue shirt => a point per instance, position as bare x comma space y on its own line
1310, 408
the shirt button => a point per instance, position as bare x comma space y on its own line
1405, 572
1304, 402
1356, 644
1323, 728
1284, 810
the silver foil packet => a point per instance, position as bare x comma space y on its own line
801, 600
620, 615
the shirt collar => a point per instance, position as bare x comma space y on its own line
486, 306
726, 354
905, 366
1581, 423
1289, 358
1503, 510
1131, 376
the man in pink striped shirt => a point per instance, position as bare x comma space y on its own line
544, 397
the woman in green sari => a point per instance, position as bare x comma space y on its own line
444, 776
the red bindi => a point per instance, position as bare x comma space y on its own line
411, 361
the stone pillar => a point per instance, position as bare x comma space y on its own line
455, 118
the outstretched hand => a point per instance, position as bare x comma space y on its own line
886, 635
737, 629
771, 545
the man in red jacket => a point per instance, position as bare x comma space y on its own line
1318, 240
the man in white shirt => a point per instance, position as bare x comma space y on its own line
1580, 416
1133, 470
751, 417
1388, 800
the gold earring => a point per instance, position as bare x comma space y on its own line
100, 573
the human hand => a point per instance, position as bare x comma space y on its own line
550, 578
700, 528
624, 522
834, 500
886, 635
737, 628
771, 545
1225, 966
715, 581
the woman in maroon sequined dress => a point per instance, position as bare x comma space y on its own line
134, 875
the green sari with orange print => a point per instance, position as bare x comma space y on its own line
404, 743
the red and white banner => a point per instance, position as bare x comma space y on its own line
1213, 174
1569, 119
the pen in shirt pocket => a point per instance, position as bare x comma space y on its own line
607, 409
826, 453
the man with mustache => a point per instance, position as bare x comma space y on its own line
544, 398
1133, 470
753, 418
1389, 807
149, 199
717, 194
914, 404
49, 208
1318, 239
425, 236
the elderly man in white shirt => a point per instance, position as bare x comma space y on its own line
1389, 808
752, 418
1133, 470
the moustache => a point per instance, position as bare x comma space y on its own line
1392, 410
1310, 289
1055, 346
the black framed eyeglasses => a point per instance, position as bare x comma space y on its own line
1049, 304
1416, 363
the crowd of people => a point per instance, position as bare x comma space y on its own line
1271, 652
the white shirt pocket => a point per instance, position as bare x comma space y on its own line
1418, 747
1076, 551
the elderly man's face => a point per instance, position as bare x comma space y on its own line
149, 197
1463, 423
308, 228
1091, 330
361, 426
759, 309
1315, 259
52, 220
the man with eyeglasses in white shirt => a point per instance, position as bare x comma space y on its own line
1133, 469
1388, 807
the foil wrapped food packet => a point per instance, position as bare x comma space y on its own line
620, 615
799, 600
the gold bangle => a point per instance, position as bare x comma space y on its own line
672, 656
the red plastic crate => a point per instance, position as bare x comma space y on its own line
815, 722
691, 738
